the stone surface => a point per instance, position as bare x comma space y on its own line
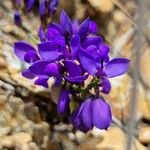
18, 141
143, 104
115, 139
119, 96
144, 135
144, 67
102, 5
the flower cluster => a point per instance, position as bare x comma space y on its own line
70, 52
45, 8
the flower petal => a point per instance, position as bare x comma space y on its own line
42, 7
42, 80
58, 80
63, 102
52, 33
72, 68
103, 52
21, 48
48, 51
65, 23
29, 4
78, 79
52, 70
27, 74
88, 62
92, 49
116, 67
17, 18
84, 28
53, 6
38, 68
106, 86
75, 44
91, 40
31, 56
76, 119
41, 34
92, 27
87, 114
101, 114
55, 26
75, 26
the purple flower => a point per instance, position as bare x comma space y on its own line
18, 2
63, 102
76, 50
41, 34
45, 7
42, 7
53, 6
70, 52
29, 4
17, 18
92, 112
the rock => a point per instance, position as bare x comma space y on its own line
39, 132
144, 135
97, 132
32, 112
119, 16
33, 146
89, 144
144, 66
115, 139
104, 6
143, 105
119, 96
3, 63
109, 142
80, 136
17, 141
4, 131
71, 136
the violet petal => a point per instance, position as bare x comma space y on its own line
63, 102
51, 70
42, 80
74, 45
29, 4
38, 68
91, 40
72, 68
87, 114
17, 18
75, 26
42, 7
53, 6
116, 67
92, 27
27, 74
101, 114
88, 62
84, 28
21, 48
106, 86
76, 119
65, 23
48, 51
41, 34
79, 79
31, 56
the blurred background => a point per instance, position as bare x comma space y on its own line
28, 117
